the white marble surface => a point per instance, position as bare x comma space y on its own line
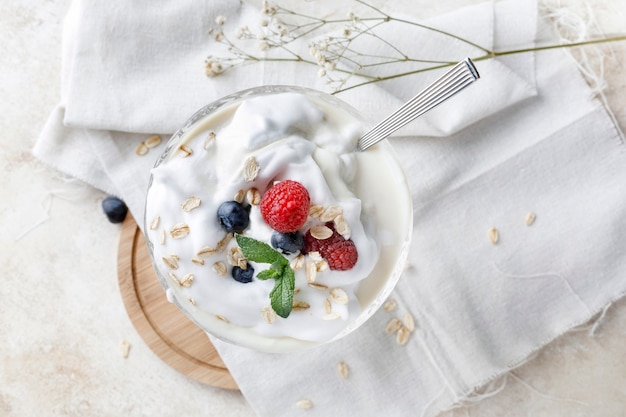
61, 315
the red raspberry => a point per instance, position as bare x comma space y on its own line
285, 206
339, 252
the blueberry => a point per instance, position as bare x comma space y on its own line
242, 275
288, 243
233, 216
115, 209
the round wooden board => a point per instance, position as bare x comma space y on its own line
166, 330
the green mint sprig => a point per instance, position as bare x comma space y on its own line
281, 296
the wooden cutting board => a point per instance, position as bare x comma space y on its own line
166, 330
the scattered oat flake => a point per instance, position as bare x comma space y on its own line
343, 369
174, 278
304, 404
222, 318
141, 149
224, 242
268, 314
192, 301
179, 231
155, 223
331, 316
296, 290
219, 268
315, 256
330, 213
321, 265
408, 322
197, 261
300, 306
317, 286
185, 151
209, 140
311, 272
162, 237
240, 196
206, 251
253, 196
390, 305
328, 306
493, 235
124, 348
187, 280
250, 169
393, 326
342, 227
321, 232
339, 296
297, 262
316, 211
403, 335
170, 261
191, 203
530, 218
153, 141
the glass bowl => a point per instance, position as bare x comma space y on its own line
237, 147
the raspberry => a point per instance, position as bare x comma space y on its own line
340, 253
285, 206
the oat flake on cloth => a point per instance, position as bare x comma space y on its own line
527, 138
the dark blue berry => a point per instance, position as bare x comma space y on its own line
242, 275
233, 216
288, 243
115, 209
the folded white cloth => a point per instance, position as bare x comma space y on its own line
527, 138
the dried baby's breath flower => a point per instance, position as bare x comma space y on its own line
206, 251
212, 68
187, 280
124, 348
220, 20
179, 231
141, 149
185, 151
153, 141
268, 314
389, 305
191, 203
250, 169
342, 369
219, 268
339, 296
393, 325
530, 218
240, 196
197, 261
300, 306
493, 235
321, 232
253, 196
155, 223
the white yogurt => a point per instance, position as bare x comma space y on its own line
292, 134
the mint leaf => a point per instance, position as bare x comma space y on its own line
281, 296
261, 252
268, 274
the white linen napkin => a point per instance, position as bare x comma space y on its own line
527, 138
